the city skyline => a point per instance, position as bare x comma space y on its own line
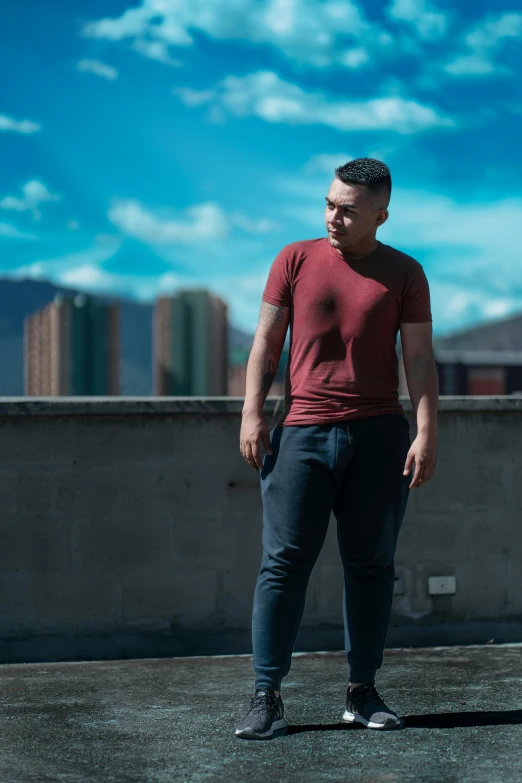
73, 346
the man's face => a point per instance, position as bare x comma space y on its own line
352, 215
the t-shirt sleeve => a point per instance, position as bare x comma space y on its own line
278, 289
415, 304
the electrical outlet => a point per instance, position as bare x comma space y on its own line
442, 585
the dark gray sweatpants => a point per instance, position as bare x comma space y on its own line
355, 469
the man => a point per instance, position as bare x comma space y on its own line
342, 442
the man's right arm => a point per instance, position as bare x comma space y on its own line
262, 365
265, 355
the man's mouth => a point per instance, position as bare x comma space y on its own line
334, 231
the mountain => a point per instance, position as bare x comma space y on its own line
19, 298
504, 335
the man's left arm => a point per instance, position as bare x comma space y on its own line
423, 387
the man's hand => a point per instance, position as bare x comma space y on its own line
424, 451
253, 431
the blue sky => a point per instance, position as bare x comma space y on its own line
170, 143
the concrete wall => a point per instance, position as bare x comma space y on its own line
132, 527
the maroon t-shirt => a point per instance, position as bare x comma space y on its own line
344, 320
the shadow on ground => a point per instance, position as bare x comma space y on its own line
448, 720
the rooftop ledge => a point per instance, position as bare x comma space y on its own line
95, 405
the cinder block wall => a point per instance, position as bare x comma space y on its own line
132, 527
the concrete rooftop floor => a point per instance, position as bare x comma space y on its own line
173, 719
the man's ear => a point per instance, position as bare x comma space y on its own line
382, 217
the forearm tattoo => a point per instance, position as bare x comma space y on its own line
272, 317
273, 320
269, 370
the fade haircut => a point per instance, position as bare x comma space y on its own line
370, 172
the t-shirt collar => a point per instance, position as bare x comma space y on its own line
351, 259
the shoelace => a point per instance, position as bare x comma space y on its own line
369, 693
260, 701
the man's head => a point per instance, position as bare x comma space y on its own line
357, 202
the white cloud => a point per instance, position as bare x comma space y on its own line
203, 222
487, 230
87, 276
137, 21
455, 307
488, 34
472, 65
11, 232
498, 308
265, 95
155, 50
18, 126
98, 68
318, 34
73, 225
34, 194
326, 163
428, 23
481, 44
192, 97
200, 223
60, 267
253, 226
354, 58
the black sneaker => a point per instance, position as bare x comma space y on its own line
264, 716
364, 705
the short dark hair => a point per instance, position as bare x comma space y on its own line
370, 172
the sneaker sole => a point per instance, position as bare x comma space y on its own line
350, 717
282, 723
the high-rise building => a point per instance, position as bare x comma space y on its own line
71, 347
190, 345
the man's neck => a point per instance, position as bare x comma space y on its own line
359, 252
